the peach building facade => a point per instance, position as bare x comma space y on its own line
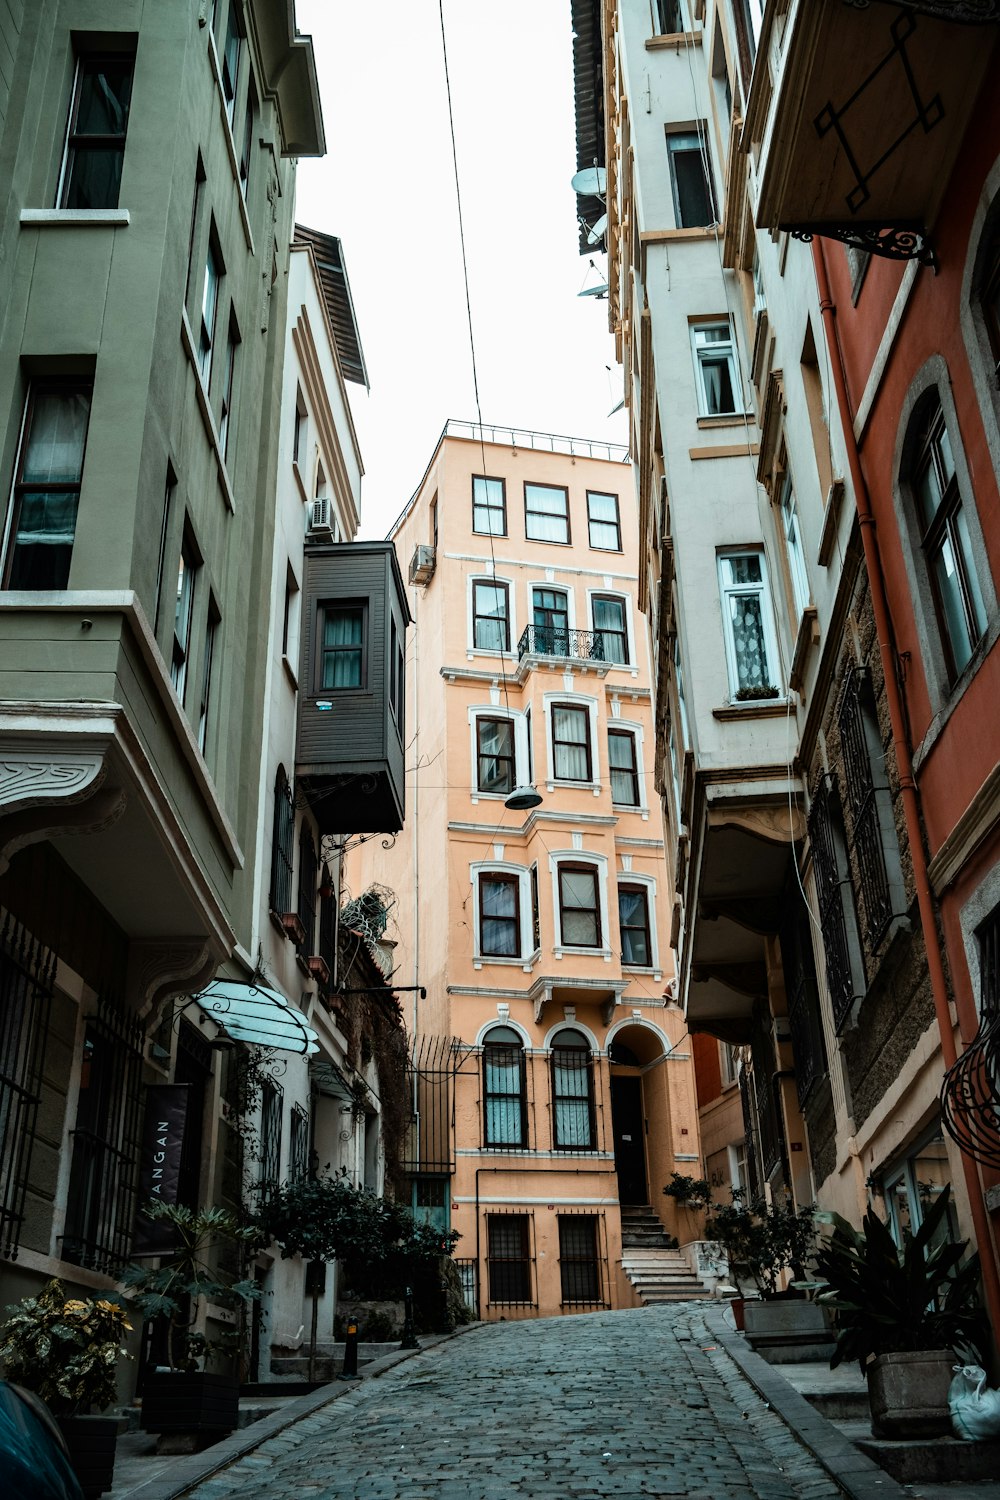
553, 1079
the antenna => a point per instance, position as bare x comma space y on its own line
592, 182
598, 230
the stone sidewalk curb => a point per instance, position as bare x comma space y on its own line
857, 1475
194, 1468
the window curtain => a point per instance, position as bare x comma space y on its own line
58, 434
579, 908
609, 625
342, 640
633, 918
570, 736
749, 646
571, 1091
491, 617
717, 376
496, 755
546, 514
499, 916
504, 1083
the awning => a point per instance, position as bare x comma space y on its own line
327, 1079
261, 1017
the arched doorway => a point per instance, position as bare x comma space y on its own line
630, 1052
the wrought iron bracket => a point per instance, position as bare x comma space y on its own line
964, 12
902, 242
970, 1095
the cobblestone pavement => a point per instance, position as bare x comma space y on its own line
631, 1405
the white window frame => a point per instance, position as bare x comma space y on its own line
791, 531
767, 617
513, 634
528, 953
631, 877
626, 599
521, 757
700, 353
560, 857
572, 700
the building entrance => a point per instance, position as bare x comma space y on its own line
629, 1126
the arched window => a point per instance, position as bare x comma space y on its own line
505, 1111
944, 536
282, 846
308, 871
572, 1092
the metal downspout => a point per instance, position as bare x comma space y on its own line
908, 786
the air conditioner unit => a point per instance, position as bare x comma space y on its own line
422, 564
321, 520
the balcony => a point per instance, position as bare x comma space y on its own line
543, 645
867, 117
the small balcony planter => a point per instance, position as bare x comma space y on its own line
292, 927
91, 1443
319, 969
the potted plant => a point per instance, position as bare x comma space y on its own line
66, 1350
688, 1192
904, 1315
765, 1244
184, 1395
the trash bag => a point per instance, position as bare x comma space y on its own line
975, 1411
33, 1461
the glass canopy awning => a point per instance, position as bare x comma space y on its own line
261, 1017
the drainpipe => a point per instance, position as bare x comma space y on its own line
908, 785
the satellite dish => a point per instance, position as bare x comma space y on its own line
592, 182
598, 231
594, 291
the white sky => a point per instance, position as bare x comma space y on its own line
386, 187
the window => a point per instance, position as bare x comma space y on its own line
633, 922
342, 646
609, 628
26, 971
504, 1096
231, 59
910, 1190
290, 619
835, 898
187, 570
572, 1092
579, 1271
989, 298
490, 616
747, 624
301, 422
718, 381
669, 20
495, 761
249, 123
508, 1262
225, 410
499, 916
603, 522
95, 141
788, 505
536, 925
868, 797
308, 871
279, 898
199, 183
298, 1144
47, 488
209, 305
579, 906
489, 505
211, 630
546, 513
550, 617
271, 1100
946, 543
161, 556
690, 179
623, 768
571, 758
396, 677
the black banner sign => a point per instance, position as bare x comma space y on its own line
160, 1163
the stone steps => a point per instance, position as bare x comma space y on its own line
662, 1275
642, 1230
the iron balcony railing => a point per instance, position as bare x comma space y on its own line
574, 645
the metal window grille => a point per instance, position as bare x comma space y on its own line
862, 799
282, 845
505, 1105
750, 1135
804, 1021
271, 1099
579, 1262
328, 927
26, 973
508, 1259
100, 1206
836, 898
467, 1271
572, 1099
308, 869
433, 1064
298, 1144
766, 1097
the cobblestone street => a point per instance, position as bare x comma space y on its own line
626, 1404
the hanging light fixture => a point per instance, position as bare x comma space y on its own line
522, 798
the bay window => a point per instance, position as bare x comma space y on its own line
751, 653
47, 486
495, 757
499, 915
623, 769
579, 906
633, 923
342, 646
571, 750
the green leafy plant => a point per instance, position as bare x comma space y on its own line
694, 1191
763, 1240
187, 1276
380, 1244
887, 1301
755, 690
65, 1349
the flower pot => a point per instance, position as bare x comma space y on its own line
190, 1401
783, 1329
908, 1393
91, 1442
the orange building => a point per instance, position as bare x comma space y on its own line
553, 1081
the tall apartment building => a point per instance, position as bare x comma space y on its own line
172, 753
813, 438
553, 1081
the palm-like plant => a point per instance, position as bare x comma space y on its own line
889, 1301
